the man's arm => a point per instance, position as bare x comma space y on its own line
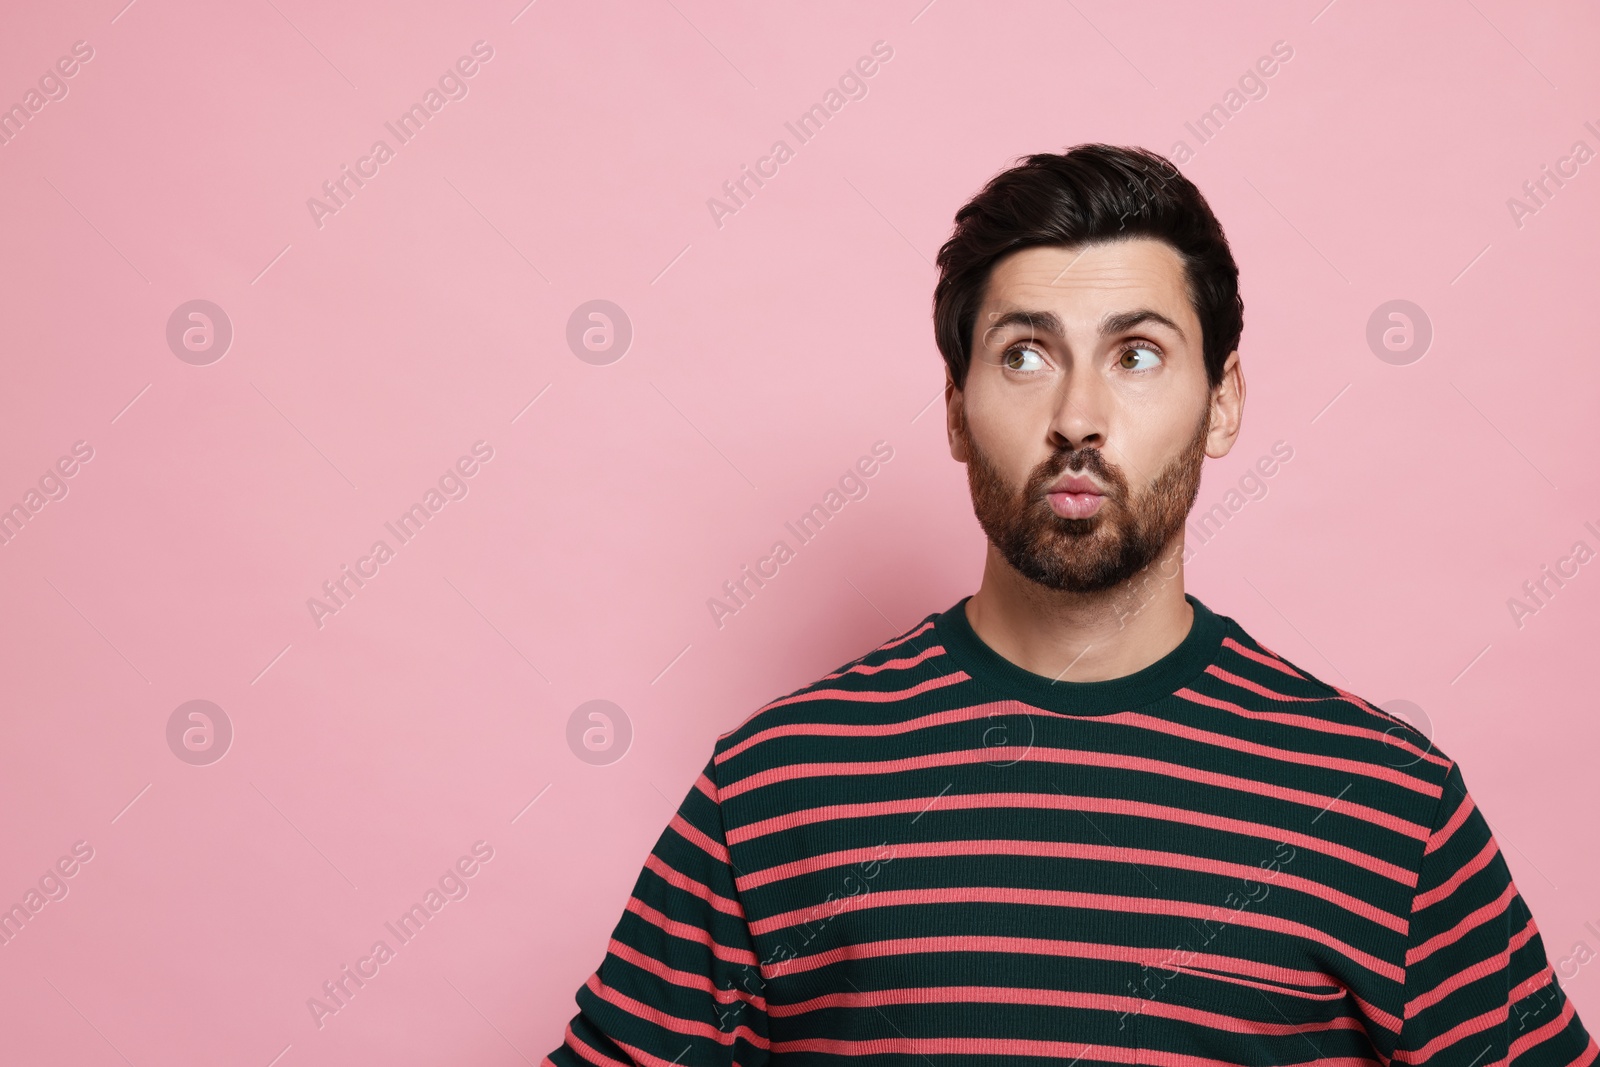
680, 982
1479, 988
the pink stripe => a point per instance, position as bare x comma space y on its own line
897, 642
1439, 839
1377, 1015
1493, 1017
1444, 889
1547, 1031
1364, 705
1539, 981
687, 979
1061, 898
1255, 687
959, 1046
1460, 929
1309, 722
831, 729
1179, 1059
638, 1057
1283, 755
1551, 1029
1077, 850
689, 932
888, 665
693, 834
1051, 801
1275, 661
1000, 1046
881, 648
649, 1013
587, 1051
1039, 946
644, 1058
870, 696
1074, 757
1470, 974
689, 885
1058, 998
1344, 696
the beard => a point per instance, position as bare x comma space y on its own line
1093, 554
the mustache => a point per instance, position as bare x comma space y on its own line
1079, 461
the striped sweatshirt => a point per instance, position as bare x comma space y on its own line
934, 857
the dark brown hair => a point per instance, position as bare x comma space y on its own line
1092, 194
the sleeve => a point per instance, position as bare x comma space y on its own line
680, 982
1479, 990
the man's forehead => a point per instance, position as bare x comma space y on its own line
1091, 279
1134, 261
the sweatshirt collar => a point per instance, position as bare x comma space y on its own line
1194, 653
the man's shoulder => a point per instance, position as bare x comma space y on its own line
858, 695
1265, 696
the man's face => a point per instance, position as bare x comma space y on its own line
1086, 414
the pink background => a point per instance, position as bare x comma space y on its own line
768, 354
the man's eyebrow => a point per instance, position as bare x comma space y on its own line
1127, 320
1041, 321
1038, 321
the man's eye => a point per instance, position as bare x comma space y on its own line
1022, 358
1143, 356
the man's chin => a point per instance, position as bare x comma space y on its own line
1076, 566
1074, 581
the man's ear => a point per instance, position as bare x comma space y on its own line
954, 418
1227, 408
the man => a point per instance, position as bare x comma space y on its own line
1078, 816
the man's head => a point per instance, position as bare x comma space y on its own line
1088, 313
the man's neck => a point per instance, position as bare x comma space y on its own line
1082, 637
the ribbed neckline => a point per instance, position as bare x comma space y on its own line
1165, 676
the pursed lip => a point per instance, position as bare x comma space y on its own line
1076, 483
